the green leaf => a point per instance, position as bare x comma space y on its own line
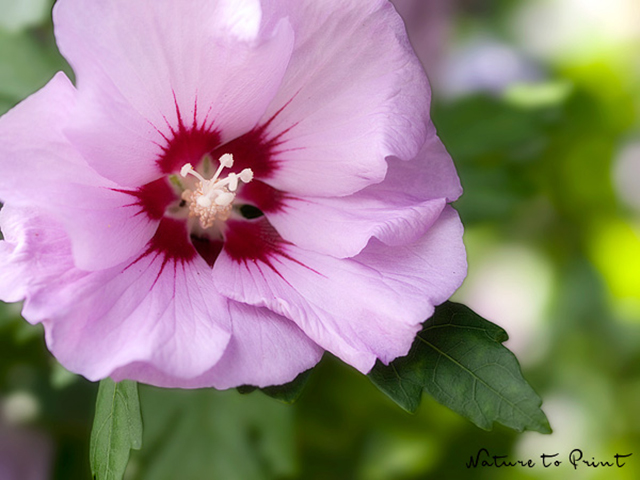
287, 393
458, 358
117, 428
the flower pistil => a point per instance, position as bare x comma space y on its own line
212, 199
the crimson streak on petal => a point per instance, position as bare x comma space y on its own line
152, 198
257, 242
171, 240
264, 196
255, 149
186, 144
170, 244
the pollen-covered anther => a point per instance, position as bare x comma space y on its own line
213, 199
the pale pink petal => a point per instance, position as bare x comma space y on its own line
430, 175
161, 309
161, 83
116, 221
34, 151
361, 309
342, 227
265, 349
41, 169
427, 271
353, 94
397, 211
32, 254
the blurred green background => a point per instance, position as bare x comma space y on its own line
538, 102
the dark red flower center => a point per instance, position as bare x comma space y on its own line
249, 236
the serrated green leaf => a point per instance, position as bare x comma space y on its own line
117, 428
458, 358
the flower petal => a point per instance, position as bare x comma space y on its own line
32, 253
265, 349
40, 168
353, 94
397, 211
360, 309
161, 309
165, 83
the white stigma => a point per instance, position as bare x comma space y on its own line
212, 199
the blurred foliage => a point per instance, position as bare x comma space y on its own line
225, 434
535, 161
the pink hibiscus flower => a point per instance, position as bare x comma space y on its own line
231, 188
